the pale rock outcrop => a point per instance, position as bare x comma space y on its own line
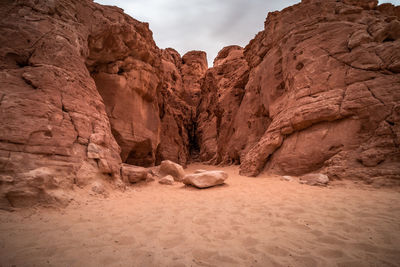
314, 179
205, 179
168, 167
167, 180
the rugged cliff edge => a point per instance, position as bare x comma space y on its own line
323, 93
84, 88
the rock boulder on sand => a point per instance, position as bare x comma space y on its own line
168, 167
314, 179
168, 180
134, 174
205, 179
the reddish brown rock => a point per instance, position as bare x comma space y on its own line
221, 95
50, 107
329, 82
134, 174
176, 109
194, 66
81, 88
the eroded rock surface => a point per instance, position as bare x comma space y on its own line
82, 90
323, 93
181, 81
221, 95
332, 93
51, 113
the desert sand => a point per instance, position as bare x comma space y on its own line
261, 221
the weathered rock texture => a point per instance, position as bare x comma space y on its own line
222, 92
181, 78
84, 88
323, 93
51, 113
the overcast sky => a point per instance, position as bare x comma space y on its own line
207, 25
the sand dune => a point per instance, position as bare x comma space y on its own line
247, 222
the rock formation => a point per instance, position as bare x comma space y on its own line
222, 92
84, 88
323, 93
205, 179
181, 77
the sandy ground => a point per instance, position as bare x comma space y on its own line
247, 222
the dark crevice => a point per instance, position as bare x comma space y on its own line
194, 147
388, 39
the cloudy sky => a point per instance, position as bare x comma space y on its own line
207, 25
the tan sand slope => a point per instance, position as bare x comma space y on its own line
247, 222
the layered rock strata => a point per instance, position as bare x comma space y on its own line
83, 89
323, 93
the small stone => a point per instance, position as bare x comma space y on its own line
314, 179
168, 180
168, 167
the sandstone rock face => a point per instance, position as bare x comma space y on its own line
51, 110
82, 91
221, 95
330, 82
124, 62
194, 66
84, 88
322, 93
180, 81
205, 179
168, 167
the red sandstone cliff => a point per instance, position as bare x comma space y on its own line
323, 94
84, 88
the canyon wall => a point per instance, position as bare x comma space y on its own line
85, 88
323, 94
